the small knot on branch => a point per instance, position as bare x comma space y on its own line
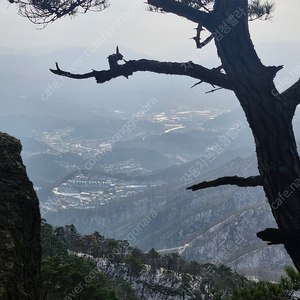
273, 70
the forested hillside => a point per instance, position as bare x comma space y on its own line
78, 266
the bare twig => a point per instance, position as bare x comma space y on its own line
212, 91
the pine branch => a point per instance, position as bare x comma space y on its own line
44, 12
183, 10
260, 11
251, 181
190, 69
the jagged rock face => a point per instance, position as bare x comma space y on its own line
20, 225
149, 285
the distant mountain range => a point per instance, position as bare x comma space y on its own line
25, 77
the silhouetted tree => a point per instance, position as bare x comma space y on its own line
53, 244
268, 112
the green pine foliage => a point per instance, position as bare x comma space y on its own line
74, 278
287, 288
260, 10
69, 276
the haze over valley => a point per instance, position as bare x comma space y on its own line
102, 157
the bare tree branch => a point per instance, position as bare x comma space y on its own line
291, 95
183, 10
251, 181
205, 42
214, 90
275, 236
190, 69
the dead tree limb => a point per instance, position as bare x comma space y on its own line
251, 181
190, 69
275, 236
185, 11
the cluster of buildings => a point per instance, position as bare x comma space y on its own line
91, 191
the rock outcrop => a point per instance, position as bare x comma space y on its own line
20, 225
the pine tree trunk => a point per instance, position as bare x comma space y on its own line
270, 119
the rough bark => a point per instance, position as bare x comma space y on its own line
270, 119
20, 222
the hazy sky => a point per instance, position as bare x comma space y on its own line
127, 23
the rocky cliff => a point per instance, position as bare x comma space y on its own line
149, 284
20, 224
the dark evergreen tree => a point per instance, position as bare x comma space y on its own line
126, 291
75, 277
53, 244
135, 266
70, 276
